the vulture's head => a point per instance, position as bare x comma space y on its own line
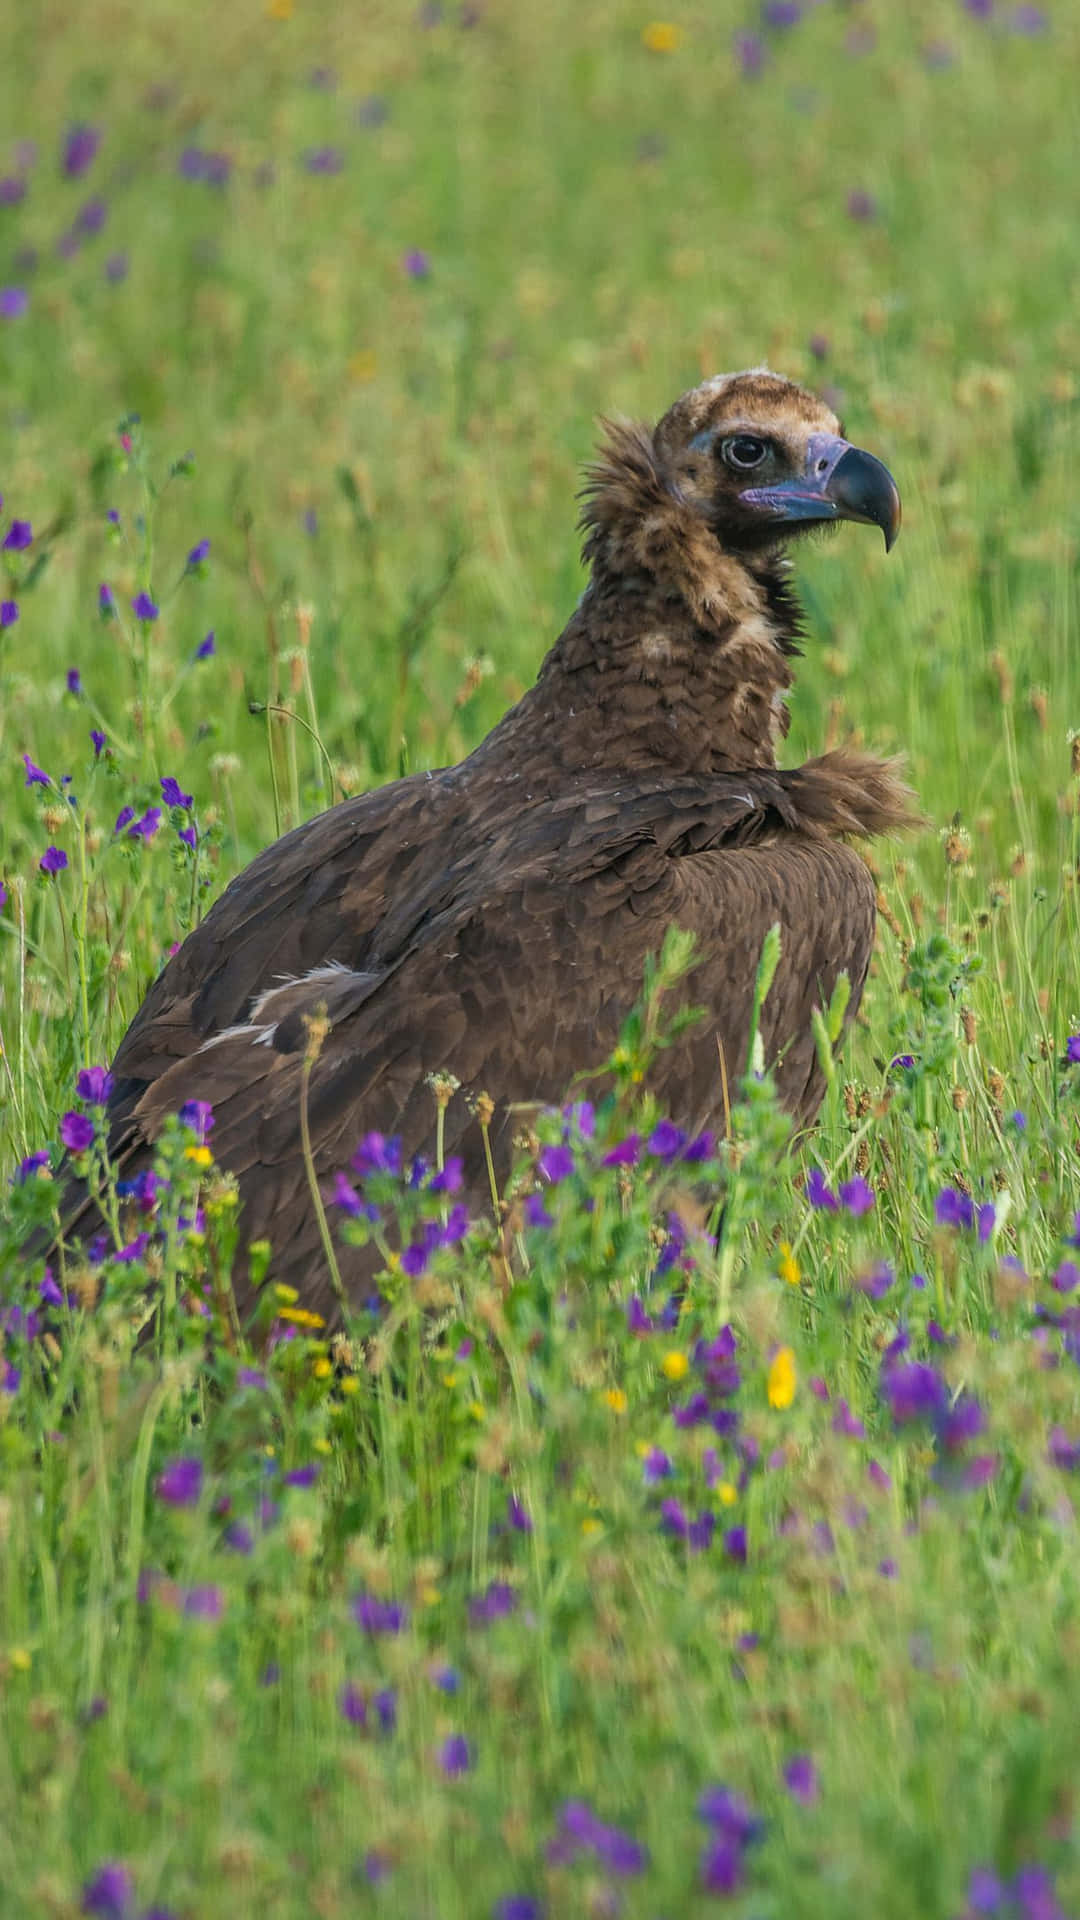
732, 473
761, 460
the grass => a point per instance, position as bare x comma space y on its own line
229, 1685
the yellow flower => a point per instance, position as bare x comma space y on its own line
591, 1526
287, 1295
726, 1493
477, 1409
450, 1378
363, 365
323, 1369
350, 1384
322, 1445
20, 1659
280, 9
675, 1365
428, 1595
616, 1399
301, 1317
201, 1156
788, 1268
662, 36
782, 1378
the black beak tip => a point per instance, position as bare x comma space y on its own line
862, 488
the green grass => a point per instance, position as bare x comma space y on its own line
604, 226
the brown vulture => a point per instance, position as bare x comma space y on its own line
492, 919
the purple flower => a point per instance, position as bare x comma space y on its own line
180, 1482
455, 1755
110, 1893
1028, 21
301, 1476
80, 149
722, 1867
1063, 1452
92, 217
377, 1154
106, 602
344, 1195
13, 302
53, 860
198, 1115
18, 537
204, 1602
144, 608
750, 54
666, 1140
1065, 1277
74, 680
452, 1177
416, 263
735, 1545
12, 190
517, 1906
125, 814
876, 1282
94, 1084
31, 1165
385, 1705
555, 1163
324, 160
518, 1516
861, 205
818, 1192
352, 1705
847, 1423
9, 613
188, 835
657, 1465
377, 1616
856, 1196
954, 1209
1072, 1044
727, 1813
626, 1154
198, 554
205, 647
35, 777
171, 793
536, 1214
238, 1537
914, 1390
801, 1779
116, 268
498, 1600
146, 828
781, 13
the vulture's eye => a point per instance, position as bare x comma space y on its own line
744, 451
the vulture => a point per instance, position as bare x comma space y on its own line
491, 920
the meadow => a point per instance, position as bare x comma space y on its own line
656, 1557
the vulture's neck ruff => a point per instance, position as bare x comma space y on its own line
678, 656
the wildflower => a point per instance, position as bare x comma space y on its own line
1072, 1044
13, 302
637, 1319
455, 1755
953, 1208
498, 1600
172, 795
18, 537
324, 160
94, 1084
625, 1154
206, 647
197, 1115
125, 814
377, 1616
1065, 1277
144, 608
735, 1545
662, 36
581, 1831
116, 268
788, 1266
555, 1163
344, 1195
914, 1391
110, 1893
80, 150
861, 205
750, 54
801, 1779
351, 1705
106, 602
35, 777
818, 1192
377, 1154
146, 828
92, 217
417, 263
616, 1399
517, 1906
518, 1516
204, 1602
180, 1483
1063, 1452
9, 613
876, 1281
666, 1140
188, 835
781, 13
782, 1378
31, 1165
675, 1365
76, 1132
536, 1214
856, 1195
657, 1465
847, 1423
74, 681
198, 554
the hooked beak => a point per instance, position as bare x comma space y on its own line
839, 482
